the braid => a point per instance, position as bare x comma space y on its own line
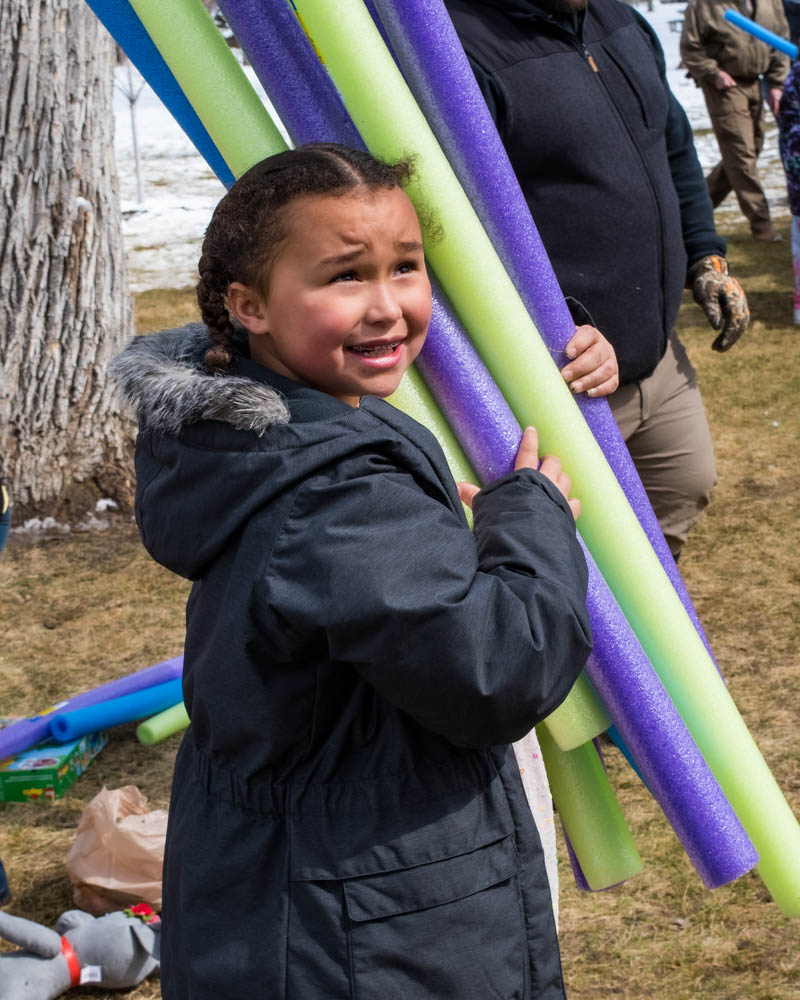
248, 225
211, 298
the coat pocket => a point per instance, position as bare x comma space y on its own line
449, 930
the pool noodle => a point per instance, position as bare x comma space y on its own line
299, 87
430, 54
580, 714
591, 816
26, 733
159, 727
577, 874
121, 22
616, 738
213, 81
654, 733
387, 118
762, 34
78, 722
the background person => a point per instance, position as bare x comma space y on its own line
729, 64
789, 134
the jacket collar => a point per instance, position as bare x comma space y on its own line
305, 404
523, 9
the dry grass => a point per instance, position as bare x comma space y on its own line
82, 609
162, 308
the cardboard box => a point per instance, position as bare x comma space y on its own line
46, 771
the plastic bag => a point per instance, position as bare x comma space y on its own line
118, 852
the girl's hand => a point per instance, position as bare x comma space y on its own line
550, 466
528, 458
592, 367
467, 493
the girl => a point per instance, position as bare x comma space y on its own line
347, 819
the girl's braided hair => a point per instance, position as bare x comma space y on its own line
248, 225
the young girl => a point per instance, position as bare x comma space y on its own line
347, 819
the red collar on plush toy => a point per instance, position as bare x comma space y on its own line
144, 912
73, 964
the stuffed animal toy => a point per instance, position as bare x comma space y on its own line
114, 951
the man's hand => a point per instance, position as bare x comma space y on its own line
724, 81
774, 95
592, 367
721, 298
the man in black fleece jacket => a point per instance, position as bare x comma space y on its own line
606, 160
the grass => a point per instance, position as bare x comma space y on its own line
84, 608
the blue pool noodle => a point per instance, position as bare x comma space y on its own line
124, 26
65, 726
781, 44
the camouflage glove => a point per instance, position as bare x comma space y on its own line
721, 298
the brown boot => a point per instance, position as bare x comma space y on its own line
767, 234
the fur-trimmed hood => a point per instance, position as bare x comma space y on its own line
162, 378
214, 450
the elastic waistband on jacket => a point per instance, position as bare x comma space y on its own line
456, 778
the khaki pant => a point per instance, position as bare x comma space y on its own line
664, 426
737, 117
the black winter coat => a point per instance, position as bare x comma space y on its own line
605, 158
346, 820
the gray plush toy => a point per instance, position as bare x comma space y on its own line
114, 951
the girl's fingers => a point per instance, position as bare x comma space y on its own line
467, 493
528, 453
575, 507
551, 467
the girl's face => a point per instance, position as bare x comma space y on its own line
349, 299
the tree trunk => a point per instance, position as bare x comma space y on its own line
64, 303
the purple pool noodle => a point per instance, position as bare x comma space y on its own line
436, 67
65, 726
290, 71
674, 769
26, 733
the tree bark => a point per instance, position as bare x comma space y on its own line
65, 310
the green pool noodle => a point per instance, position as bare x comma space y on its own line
474, 279
581, 716
591, 815
414, 398
159, 727
213, 81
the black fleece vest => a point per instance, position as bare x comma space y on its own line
583, 121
